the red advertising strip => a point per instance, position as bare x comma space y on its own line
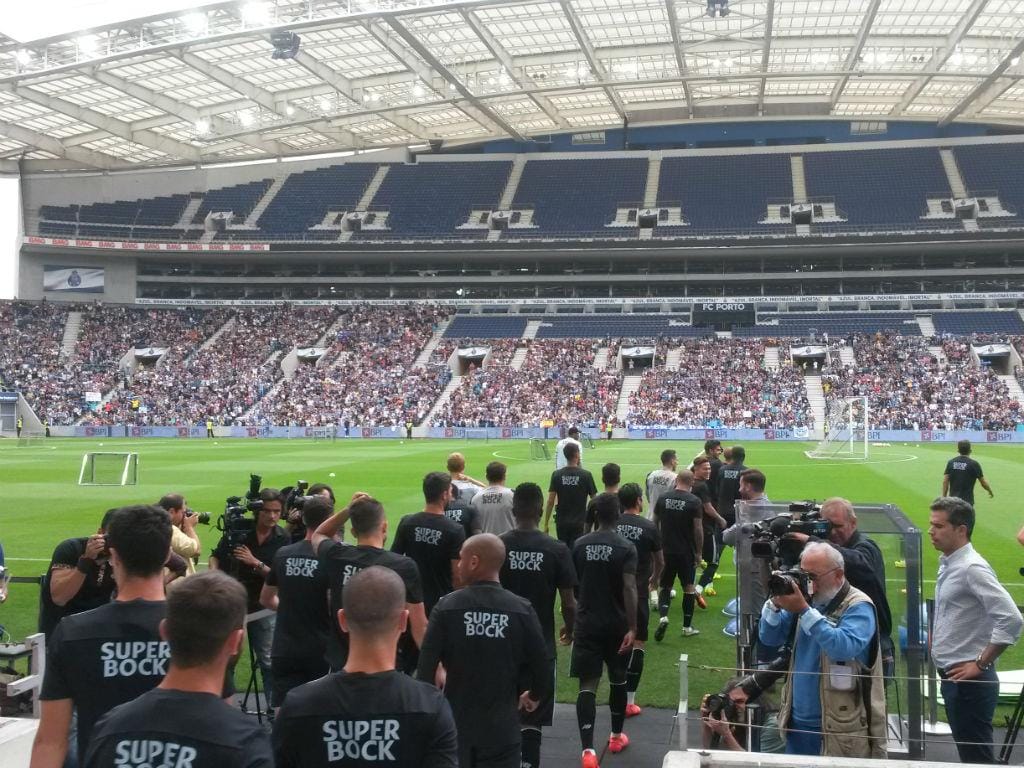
117, 245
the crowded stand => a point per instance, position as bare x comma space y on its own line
367, 376
30, 347
721, 383
557, 382
909, 388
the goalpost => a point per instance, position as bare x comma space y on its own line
109, 469
322, 434
846, 430
539, 450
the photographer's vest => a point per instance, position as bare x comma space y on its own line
853, 723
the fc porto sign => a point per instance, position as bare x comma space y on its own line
723, 315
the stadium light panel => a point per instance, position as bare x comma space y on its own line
418, 91
202, 126
23, 57
256, 14
246, 119
196, 23
87, 45
289, 110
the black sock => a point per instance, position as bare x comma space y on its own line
664, 600
617, 705
531, 748
586, 714
689, 601
709, 574
634, 670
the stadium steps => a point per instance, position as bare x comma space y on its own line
939, 356
424, 356
516, 363
796, 165
601, 359
653, 180
185, 222
847, 357
1014, 386
956, 180
1021, 313
208, 236
268, 197
927, 325
442, 400
509, 193
331, 333
72, 330
371, 189
672, 359
970, 225
816, 398
228, 325
771, 358
630, 384
531, 329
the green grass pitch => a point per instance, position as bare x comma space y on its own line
44, 504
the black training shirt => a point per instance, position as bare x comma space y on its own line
368, 720
963, 473
644, 535
674, 513
252, 578
729, 490
342, 562
105, 657
536, 566
178, 729
601, 559
95, 591
432, 541
716, 468
462, 512
303, 620
573, 486
488, 640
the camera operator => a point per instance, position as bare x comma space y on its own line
296, 588
833, 701
184, 539
294, 526
249, 562
80, 578
724, 717
864, 566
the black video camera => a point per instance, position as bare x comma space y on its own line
788, 581
233, 523
769, 536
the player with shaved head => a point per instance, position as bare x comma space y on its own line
489, 641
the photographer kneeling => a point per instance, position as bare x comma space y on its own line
724, 715
833, 702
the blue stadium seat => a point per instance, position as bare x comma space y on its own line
486, 327
305, 198
578, 197
966, 323
995, 168
835, 324
616, 326
240, 199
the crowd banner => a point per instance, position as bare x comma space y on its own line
889, 436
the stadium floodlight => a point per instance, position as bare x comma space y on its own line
325, 105
418, 90
202, 126
246, 119
289, 110
196, 23
23, 57
286, 44
87, 45
256, 14
718, 8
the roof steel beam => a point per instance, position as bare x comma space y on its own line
677, 49
853, 57
766, 50
591, 55
981, 88
86, 157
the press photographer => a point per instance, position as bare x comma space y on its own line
245, 551
184, 539
295, 498
833, 701
724, 714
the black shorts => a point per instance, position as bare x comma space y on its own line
643, 613
545, 711
590, 655
568, 532
678, 565
473, 755
291, 672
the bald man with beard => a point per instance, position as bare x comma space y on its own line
484, 645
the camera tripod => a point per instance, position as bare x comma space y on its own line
252, 688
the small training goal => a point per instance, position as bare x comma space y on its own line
846, 430
109, 469
539, 450
324, 434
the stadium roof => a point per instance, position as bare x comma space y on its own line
199, 85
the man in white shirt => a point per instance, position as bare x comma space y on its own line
573, 437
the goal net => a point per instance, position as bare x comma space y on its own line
586, 440
539, 450
846, 430
109, 469
321, 434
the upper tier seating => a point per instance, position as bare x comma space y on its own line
428, 199
726, 193
835, 324
966, 323
616, 326
578, 196
305, 198
878, 187
486, 327
995, 168
239, 199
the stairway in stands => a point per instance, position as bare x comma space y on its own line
771, 358
630, 384
940, 356
530, 332
442, 400
653, 180
1014, 386
927, 326
847, 357
268, 197
428, 350
72, 330
673, 358
816, 398
516, 363
601, 359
